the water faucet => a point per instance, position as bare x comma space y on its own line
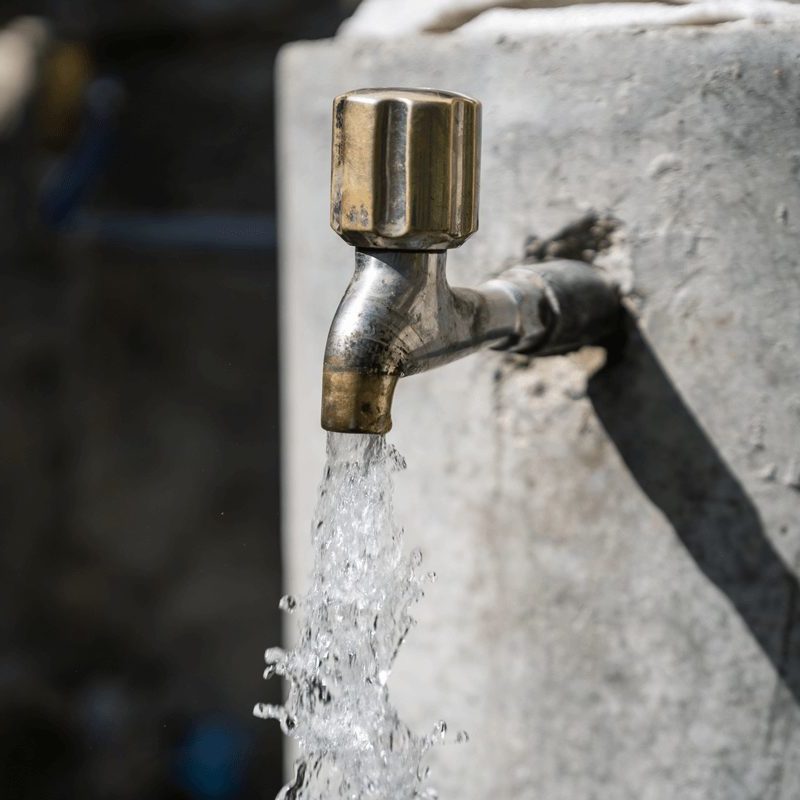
404, 189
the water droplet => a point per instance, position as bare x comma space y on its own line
287, 603
416, 557
431, 576
274, 655
268, 711
462, 737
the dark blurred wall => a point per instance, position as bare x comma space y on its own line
139, 490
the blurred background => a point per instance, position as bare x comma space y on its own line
138, 384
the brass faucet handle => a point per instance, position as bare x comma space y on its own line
405, 168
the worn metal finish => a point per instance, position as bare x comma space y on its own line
405, 168
399, 317
357, 402
404, 186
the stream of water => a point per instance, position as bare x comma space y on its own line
351, 623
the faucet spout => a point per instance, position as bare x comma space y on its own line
399, 316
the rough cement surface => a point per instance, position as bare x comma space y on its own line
616, 613
631, 15
390, 19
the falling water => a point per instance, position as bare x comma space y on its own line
352, 622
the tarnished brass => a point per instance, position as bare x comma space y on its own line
405, 168
355, 402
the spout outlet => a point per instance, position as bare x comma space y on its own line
355, 402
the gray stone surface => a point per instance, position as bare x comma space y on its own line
616, 613
390, 19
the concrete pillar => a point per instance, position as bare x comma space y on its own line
616, 614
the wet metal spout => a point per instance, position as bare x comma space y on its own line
404, 189
399, 317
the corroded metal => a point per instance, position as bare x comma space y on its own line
405, 168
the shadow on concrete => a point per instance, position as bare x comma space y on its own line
678, 468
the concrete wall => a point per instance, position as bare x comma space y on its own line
616, 614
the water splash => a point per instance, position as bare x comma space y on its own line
354, 618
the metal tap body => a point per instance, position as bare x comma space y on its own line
404, 188
399, 316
